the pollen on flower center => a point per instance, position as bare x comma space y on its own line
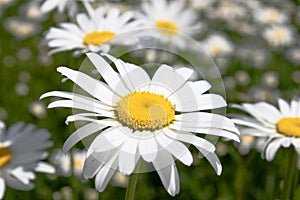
145, 111
5, 156
289, 126
165, 27
98, 37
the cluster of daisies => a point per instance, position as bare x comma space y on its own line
138, 118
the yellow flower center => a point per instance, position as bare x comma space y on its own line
216, 49
289, 126
278, 35
272, 16
145, 111
166, 27
98, 37
77, 163
247, 139
5, 156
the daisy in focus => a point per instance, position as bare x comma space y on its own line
279, 35
170, 19
280, 127
22, 148
217, 45
95, 32
139, 117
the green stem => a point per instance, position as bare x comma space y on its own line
289, 177
130, 191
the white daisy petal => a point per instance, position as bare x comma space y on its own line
148, 149
213, 160
272, 148
209, 131
269, 112
45, 168
284, 107
177, 149
81, 133
294, 107
95, 161
110, 138
187, 137
105, 174
167, 171
77, 98
202, 119
127, 156
13, 182
108, 74
95, 88
2, 187
166, 76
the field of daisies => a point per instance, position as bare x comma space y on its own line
151, 99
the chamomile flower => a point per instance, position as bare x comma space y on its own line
94, 32
269, 15
279, 35
169, 20
142, 118
22, 148
217, 44
280, 127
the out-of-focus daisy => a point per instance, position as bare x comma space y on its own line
22, 148
249, 142
217, 44
32, 11
170, 19
6, 3
280, 127
21, 28
96, 32
143, 118
228, 10
61, 5
78, 158
201, 5
68, 162
279, 35
293, 55
62, 162
269, 15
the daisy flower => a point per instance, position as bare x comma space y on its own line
139, 117
62, 162
62, 5
65, 162
22, 148
280, 127
279, 35
94, 32
217, 44
269, 15
170, 20
78, 158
